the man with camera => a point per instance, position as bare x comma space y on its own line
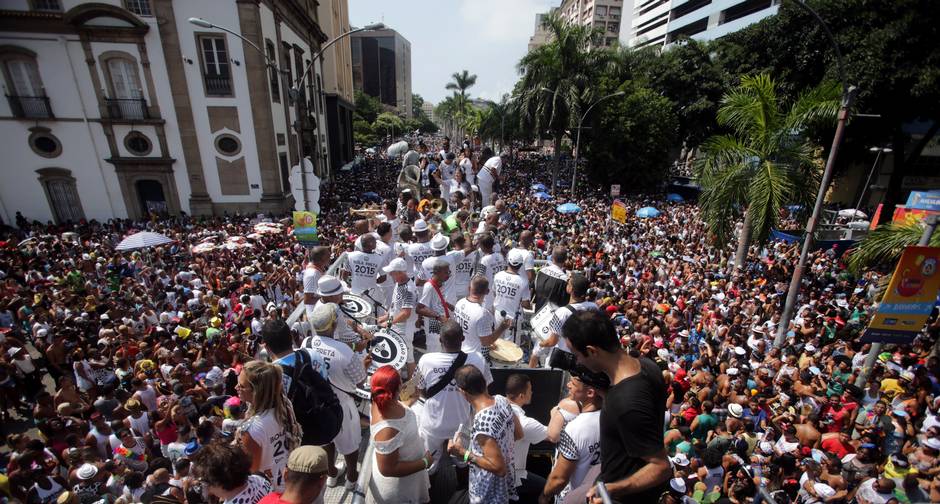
634, 465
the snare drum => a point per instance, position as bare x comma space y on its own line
357, 307
506, 351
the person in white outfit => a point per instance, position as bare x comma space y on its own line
487, 177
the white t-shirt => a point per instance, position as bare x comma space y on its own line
343, 333
533, 432
462, 272
509, 290
419, 252
431, 300
528, 262
364, 269
311, 277
448, 170
345, 370
404, 296
467, 166
265, 430
560, 315
476, 321
580, 442
395, 223
447, 409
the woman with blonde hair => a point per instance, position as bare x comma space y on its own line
270, 430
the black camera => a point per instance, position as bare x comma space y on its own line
566, 361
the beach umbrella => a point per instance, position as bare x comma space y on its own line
371, 196
143, 239
647, 212
676, 198
538, 187
567, 208
852, 213
542, 195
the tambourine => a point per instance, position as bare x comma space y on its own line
505, 351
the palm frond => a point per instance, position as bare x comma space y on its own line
885, 243
768, 192
818, 106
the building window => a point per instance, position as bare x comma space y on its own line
62, 194
137, 143
25, 93
216, 71
139, 7
44, 143
127, 97
46, 5
228, 145
272, 60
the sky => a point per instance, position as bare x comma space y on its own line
485, 37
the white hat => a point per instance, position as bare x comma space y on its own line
323, 316
677, 485
329, 285
733, 371
680, 459
684, 333
87, 471
662, 353
810, 348
439, 242
488, 210
419, 226
13, 351
515, 257
735, 410
740, 350
104, 316
397, 264
932, 443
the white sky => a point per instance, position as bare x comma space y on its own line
485, 37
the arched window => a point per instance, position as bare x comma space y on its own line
62, 194
24, 89
125, 94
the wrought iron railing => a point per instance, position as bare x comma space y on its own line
217, 85
127, 108
36, 107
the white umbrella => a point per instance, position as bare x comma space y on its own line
143, 239
852, 213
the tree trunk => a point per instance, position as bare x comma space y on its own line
744, 242
557, 165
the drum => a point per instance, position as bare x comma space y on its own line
386, 349
505, 351
541, 321
357, 307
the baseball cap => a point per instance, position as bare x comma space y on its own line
329, 286
307, 459
397, 264
515, 257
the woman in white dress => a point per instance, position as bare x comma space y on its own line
399, 467
270, 430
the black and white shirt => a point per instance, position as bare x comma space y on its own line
254, 491
404, 296
496, 422
580, 442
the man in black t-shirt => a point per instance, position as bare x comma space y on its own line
551, 282
634, 466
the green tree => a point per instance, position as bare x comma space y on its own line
462, 81
765, 162
884, 245
558, 81
387, 121
367, 107
363, 133
417, 102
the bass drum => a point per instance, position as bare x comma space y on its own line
357, 307
387, 348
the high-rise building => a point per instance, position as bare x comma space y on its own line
602, 14
381, 67
540, 35
122, 109
338, 100
428, 109
662, 22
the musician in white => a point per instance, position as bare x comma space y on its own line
490, 262
365, 267
346, 371
439, 246
389, 209
401, 314
421, 248
579, 447
446, 409
464, 261
318, 259
487, 177
577, 290
511, 294
433, 305
348, 331
528, 259
479, 329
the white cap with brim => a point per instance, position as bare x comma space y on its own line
678, 485
515, 258
329, 285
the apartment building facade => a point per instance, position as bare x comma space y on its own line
662, 22
604, 15
381, 67
339, 101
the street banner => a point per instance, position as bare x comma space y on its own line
618, 212
615, 190
924, 200
909, 299
305, 228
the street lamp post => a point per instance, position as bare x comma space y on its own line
577, 143
295, 90
848, 97
880, 151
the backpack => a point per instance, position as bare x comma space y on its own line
315, 404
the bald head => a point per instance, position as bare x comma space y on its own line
526, 238
361, 226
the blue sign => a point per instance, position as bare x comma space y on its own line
924, 200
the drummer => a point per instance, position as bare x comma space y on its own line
511, 294
348, 331
347, 371
401, 314
439, 246
365, 267
479, 330
433, 305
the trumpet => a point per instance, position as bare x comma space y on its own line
436, 205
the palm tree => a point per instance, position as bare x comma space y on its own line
885, 244
462, 81
558, 80
765, 163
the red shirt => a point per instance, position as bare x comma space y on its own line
274, 498
835, 446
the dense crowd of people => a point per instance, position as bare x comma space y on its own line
182, 374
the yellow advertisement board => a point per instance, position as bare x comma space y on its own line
618, 212
305, 228
909, 299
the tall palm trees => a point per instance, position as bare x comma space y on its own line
558, 80
462, 81
455, 110
765, 163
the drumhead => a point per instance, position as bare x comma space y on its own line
356, 306
387, 348
505, 351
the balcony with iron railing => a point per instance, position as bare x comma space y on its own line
218, 85
128, 109
30, 107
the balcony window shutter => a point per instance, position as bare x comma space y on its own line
25, 77
124, 79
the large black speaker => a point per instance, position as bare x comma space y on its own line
547, 389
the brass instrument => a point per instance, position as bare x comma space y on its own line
365, 212
473, 217
436, 205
